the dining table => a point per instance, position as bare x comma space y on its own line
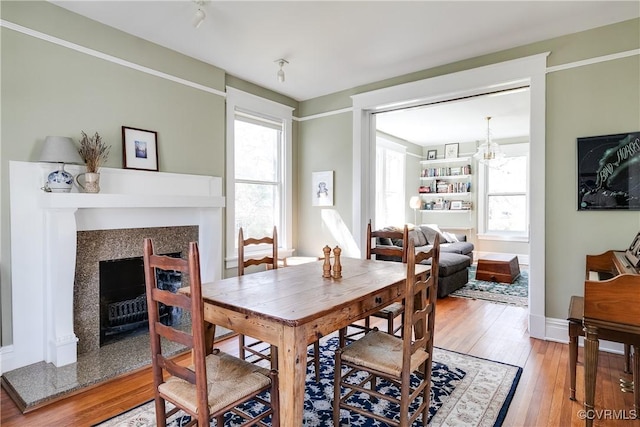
294, 306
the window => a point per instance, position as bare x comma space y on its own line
390, 181
259, 166
504, 199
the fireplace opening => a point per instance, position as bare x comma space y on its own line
123, 301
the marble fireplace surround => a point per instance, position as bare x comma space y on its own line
44, 230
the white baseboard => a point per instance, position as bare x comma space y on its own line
6, 359
558, 330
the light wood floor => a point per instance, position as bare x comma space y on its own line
479, 328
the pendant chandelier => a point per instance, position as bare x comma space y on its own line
489, 152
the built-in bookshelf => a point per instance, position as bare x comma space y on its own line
446, 185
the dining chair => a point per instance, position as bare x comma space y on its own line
392, 311
255, 347
248, 348
388, 357
387, 252
215, 383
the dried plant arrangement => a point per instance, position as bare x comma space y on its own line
93, 151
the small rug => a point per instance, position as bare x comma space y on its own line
516, 293
466, 391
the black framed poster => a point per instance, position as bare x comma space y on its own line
609, 172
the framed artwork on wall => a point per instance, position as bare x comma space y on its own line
432, 154
451, 151
322, 188
609, 172
139, 149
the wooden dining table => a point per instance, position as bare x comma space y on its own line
293, 307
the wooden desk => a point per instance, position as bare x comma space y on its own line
292, 307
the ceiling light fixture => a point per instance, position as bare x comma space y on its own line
198, 18
489, 153
281, 63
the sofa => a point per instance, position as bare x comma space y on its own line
456, 255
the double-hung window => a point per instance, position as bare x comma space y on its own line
504, 198
259, 194
390, 179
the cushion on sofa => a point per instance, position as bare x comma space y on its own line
451, 263
418, 237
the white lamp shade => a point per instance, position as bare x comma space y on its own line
60, 149
414, 202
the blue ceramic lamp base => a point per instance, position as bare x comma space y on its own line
60, 181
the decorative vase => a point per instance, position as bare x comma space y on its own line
91, 182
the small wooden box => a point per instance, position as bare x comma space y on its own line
498, 268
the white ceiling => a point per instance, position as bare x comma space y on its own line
461, 121
337, 45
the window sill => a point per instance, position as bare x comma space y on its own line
504, 238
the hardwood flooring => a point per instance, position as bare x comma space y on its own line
492, 331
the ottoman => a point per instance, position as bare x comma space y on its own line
452, 272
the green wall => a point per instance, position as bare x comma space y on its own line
52, 90
587, 100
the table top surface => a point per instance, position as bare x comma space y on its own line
298, 294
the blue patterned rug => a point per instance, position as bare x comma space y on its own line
465, 390
516, 293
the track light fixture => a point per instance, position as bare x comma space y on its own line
199, 17
281, 63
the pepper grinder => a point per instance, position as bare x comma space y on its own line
337, 268
326, 267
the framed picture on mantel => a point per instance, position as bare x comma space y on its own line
139, 149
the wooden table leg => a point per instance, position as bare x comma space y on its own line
292, 372
591, 346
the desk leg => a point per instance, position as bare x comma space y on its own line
292, 371
636, 380
591, 346
573, 362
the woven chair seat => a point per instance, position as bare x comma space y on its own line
396, 309
382, 352
229, 379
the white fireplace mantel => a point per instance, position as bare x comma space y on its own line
44, 230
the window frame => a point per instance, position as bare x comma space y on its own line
245, 103
386, 144
509, 150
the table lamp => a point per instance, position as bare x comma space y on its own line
61, 150
415, 204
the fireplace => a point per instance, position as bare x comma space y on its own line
116, 256
55, 273
123, 299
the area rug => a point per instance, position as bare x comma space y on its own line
466, 391
516, 293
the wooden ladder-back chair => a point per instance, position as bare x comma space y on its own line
248, 349
271, 262
396, 253
377, 353
216, 383
390, 312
